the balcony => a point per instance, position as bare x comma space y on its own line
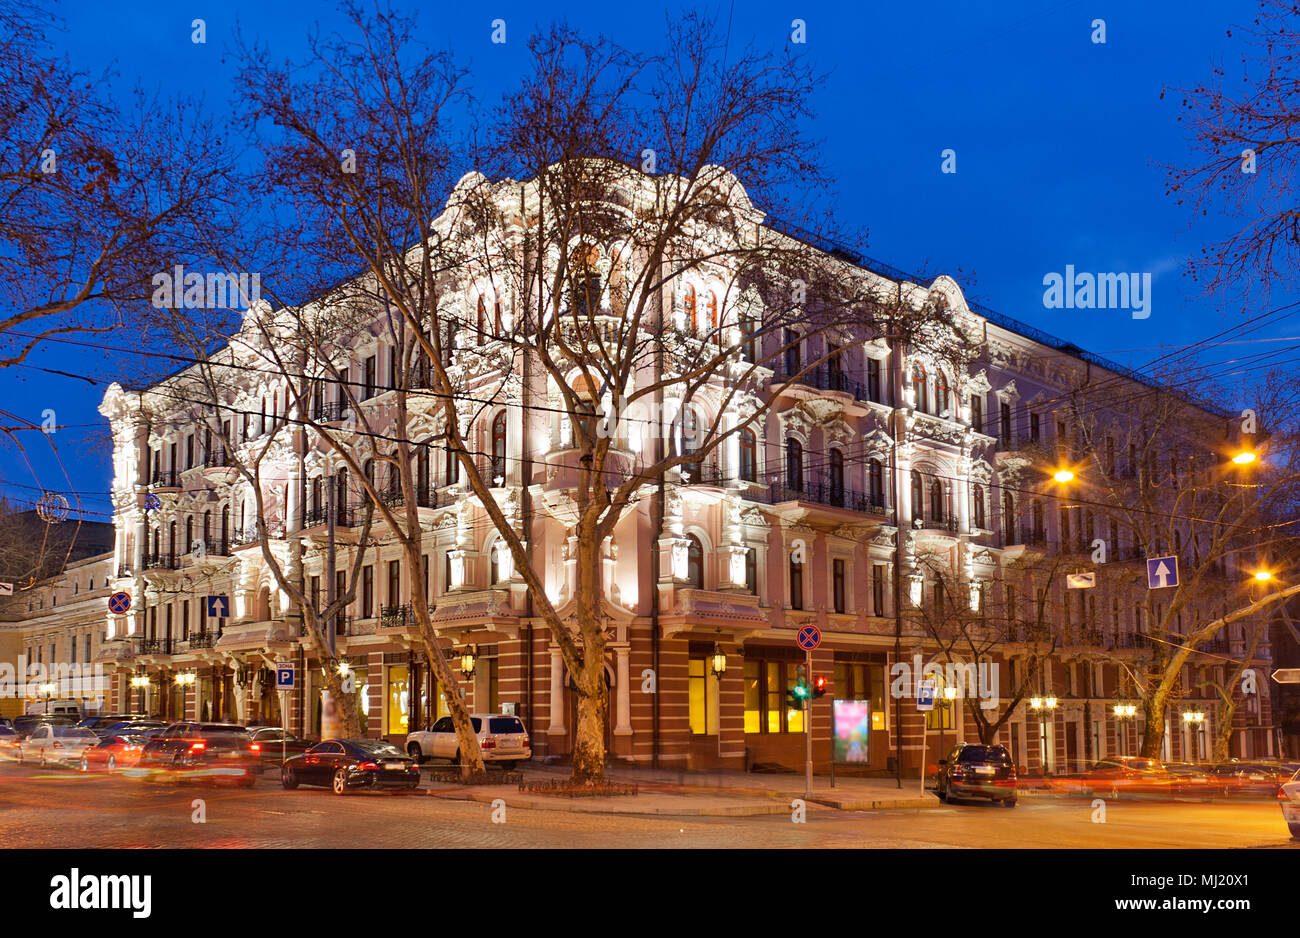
825, 378
397, 617
153, 646
425, 497
218, 459
950, 524
168, 561
823, 490
332, 412
203, 640
211, 548
1132, 640
253, 534
166, 479
703, 473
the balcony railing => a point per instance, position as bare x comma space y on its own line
253, 533
214, 548
822, 490
1132, 640
397, 617
425, 497
153, 646
824, 378
342, 626
203, 640
166, 561
345, 516
332, 411
166, 479
219, 459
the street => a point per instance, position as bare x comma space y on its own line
60, 808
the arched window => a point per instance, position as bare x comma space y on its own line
498, 321
711, 307
694, 562
368, 467
480, 320
496, 563
794, 465
225, 530
876, 482
936, 500
918, 496
341, 490
689, 304
1009, 519
189, 533
977, 493
748, 455
941, 394
921, 388
837, 477
499, 448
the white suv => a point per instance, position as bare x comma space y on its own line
55, 743
501, 738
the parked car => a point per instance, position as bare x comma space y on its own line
345, 764
130, 726
26, 723
278, 745
9, 740
1130, 777
56, 743
502, 738
212, 749
65, 708
99, 722
1192, 780
5, 721
978, 771
1289, 798
112, 753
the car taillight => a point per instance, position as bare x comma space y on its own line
58, 744
369, 766
255, 747
196, 747
489, 743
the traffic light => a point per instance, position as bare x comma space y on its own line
821, 684
799, 694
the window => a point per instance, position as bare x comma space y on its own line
499, 449
1035, 428
837, 477
873, 380
878, 589
748, 343
920, 387
941, 395
688, 304
793, 357
494, 564
367, 591
1040, 523
876, 482
1008, 519
748, 455
977, 412
834, 368
702, 689
766, 681
1064, 528
751, 570
936, 501
394, 583
446, 572
694, 562
977, 494
1004, 423
370, 377
838, 584
918, 496
480, 320
794, 465
452, 470
711, 307
498, 320
796, 583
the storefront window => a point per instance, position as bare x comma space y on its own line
399, 700
766, 708
702, 693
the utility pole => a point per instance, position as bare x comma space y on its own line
895, 387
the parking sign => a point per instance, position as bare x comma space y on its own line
286, 674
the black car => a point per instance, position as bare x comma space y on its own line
209, 749
344, 764
278, 745
978, 771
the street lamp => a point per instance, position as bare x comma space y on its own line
1123, 712
718, 661
1048, 704
1195, 718
1244, 457
1263, 576
467, 661
1063, 476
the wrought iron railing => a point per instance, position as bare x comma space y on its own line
166, 478
397, 617
166, 561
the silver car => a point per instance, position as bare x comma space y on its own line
53, 743
502, 738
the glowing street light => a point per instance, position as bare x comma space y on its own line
1244, 457
1063, 475
1263, 576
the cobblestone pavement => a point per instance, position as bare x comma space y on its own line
62, 808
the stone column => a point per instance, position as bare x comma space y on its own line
623, 692
556, 726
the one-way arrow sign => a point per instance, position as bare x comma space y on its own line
218, 606
1287, 675
1162, 572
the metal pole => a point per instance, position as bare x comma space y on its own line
898, 560
807, 726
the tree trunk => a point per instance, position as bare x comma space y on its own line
1223, 738
589, 741
1153, 725
349, 717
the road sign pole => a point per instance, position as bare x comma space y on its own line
807, 725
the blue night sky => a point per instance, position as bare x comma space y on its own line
1058, 143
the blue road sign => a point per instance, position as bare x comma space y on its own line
119, 603
152, 502
1162, 572
809, 637
218, 606
925, 695
285, 675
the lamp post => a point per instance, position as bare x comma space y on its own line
1123, 712
949, 695
141, 683
184, 680
468, 661
47, 691
1039, 704
1195, 719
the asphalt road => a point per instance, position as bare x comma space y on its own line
60, 808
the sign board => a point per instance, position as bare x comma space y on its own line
152, 502
286, 675
925, 695
809, 637
218, 606
1162, 572
852, 730
1080, 581
119, 603
1287, 675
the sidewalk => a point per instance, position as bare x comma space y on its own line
702, 794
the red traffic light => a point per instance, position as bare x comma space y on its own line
821, 684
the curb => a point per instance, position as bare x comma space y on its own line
588, 806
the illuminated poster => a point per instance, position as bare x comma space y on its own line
852, 730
